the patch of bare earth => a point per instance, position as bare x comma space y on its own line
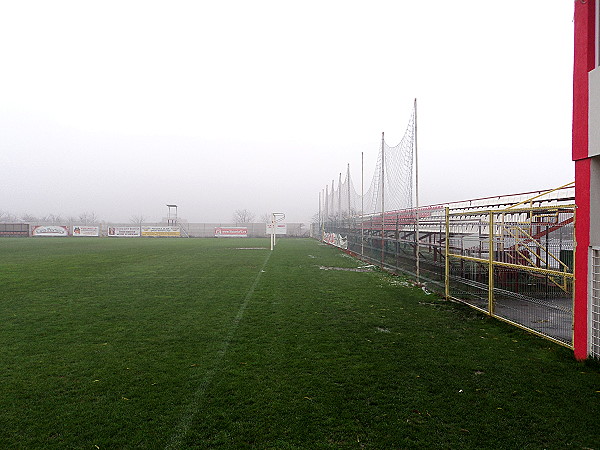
347, 269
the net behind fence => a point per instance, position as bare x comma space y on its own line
508, 256
390, 188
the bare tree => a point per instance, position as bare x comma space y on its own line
5, 216
88, 218
266, 218
137, 219
53, 219
243, 216
29, 218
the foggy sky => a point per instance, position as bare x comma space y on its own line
119, 108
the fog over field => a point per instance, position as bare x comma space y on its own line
119, 108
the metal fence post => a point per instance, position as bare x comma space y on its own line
491, 265
446, 255
397, 244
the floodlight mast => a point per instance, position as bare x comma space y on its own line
275, 217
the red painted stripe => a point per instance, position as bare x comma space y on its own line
582, 236
583, 63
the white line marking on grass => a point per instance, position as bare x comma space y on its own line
192, 408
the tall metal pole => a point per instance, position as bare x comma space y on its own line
362, 203
340, 196
382, 197
417, 193
491, 265
348, 181
326, 218
446, 256
332, 198
319, 210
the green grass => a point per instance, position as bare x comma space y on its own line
190, 343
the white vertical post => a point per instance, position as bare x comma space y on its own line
326, 204
382, 197
272, 231
417, 192
332, 198
324, 217
362, 203
340, 196
274, 221
348, 181
319, 217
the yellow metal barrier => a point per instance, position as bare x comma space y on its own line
515, 264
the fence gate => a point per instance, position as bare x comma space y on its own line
516, 265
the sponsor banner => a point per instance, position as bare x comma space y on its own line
161, 231
231, 232
336, 239
14, 229
280, 228
49, 230
84, 230
123, 231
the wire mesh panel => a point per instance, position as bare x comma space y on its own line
432, 244
533, 269
539, 302
536, 238
595, 303
469, 282
404, 241
530, 251
468, 258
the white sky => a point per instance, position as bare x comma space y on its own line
121, 107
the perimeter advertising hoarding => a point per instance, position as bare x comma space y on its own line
280, 228
123, 231
14, 229
84, 230
161, 231
240, 232
336, 239
50, 230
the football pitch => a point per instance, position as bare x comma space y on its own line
221, 343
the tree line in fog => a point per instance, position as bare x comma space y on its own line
88, 218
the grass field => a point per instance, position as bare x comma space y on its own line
193, 343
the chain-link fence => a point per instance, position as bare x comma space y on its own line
515, 264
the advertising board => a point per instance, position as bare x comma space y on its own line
336, 239
280, 228
238, 232
161, 231
50, 230
14, 229
123, 231
85, 230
